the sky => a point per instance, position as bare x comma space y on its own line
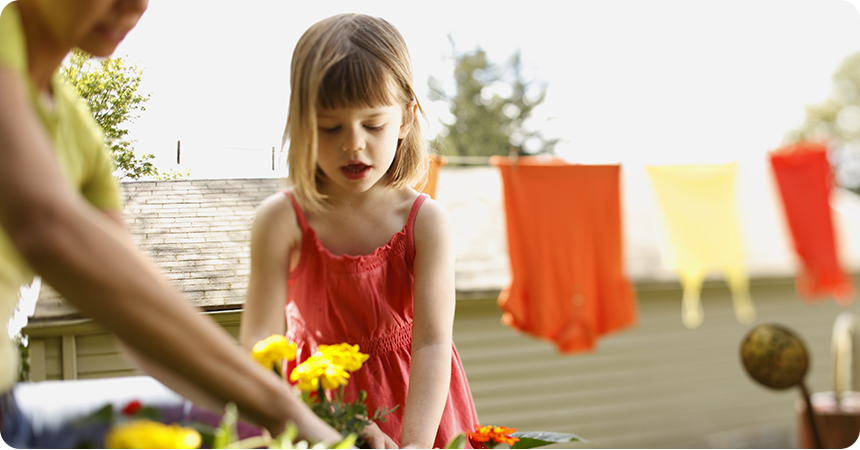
635, 82
629, 81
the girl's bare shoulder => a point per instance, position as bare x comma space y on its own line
276, 218
432, 220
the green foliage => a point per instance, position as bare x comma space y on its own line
23, 356
110, 89
347, 418
490, 105
226, 436
836, 122
533, 439
459, 441
227, 431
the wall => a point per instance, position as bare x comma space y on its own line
656, 385
81, 349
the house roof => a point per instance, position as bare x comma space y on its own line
198, 232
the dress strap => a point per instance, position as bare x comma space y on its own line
410, 224
303, 221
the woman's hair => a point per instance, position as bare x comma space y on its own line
349, 60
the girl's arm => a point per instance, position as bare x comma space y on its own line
430, 375
274, 235
93, 264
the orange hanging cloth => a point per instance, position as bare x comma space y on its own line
564, 240
436, 164
805, 180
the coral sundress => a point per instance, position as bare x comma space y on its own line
367, 300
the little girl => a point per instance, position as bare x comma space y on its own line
354, 252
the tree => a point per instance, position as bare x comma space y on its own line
490, 106
110, 88
836, 122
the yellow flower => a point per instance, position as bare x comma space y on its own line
344, 355
148, 434
273, 349
319, 371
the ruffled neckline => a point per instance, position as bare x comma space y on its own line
395, 239
397, 245
359, 263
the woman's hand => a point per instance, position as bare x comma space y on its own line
376, 438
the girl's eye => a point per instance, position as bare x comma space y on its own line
374, 128
330, 130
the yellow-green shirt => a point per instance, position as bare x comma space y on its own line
80, 149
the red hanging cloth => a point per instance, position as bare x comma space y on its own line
564, 241
805, 181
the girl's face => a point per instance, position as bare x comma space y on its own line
96, 26
356, 146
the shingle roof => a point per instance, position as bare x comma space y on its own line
198, 232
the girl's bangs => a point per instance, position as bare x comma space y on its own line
358, 80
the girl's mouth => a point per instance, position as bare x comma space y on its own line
355, 171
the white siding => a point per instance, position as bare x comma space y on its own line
657, 384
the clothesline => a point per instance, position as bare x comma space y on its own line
699, 205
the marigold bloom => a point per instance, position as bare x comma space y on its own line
273, 349
148, 434
344, 355
319, 371
497, 434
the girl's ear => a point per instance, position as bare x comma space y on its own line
408, 117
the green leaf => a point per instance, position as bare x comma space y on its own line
207, 433
287, 438
532, 439
226, 433
347, 442
148, 412
103, 415
459, 441
381, 412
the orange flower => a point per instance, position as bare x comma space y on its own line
497, 434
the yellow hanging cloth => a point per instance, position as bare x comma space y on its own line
700, 212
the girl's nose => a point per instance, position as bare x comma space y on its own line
353, 142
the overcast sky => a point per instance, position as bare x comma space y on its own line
630, 81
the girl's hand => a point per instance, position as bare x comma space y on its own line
376, 438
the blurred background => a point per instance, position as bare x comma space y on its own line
662, 81
636, 83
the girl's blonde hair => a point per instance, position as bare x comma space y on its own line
349, 60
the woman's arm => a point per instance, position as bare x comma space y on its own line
165, 375
94, 265
274, 235
430, 375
